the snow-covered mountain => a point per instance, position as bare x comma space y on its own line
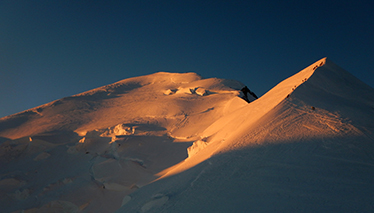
171, 142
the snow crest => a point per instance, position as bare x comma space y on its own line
174, 142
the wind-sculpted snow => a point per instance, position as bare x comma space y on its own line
128, 100
88, 151
302, 147
172, 142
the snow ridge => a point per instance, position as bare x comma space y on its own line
297, 148
174, 142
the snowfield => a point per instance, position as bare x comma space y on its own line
171, 142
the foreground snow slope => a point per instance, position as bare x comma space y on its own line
88, 151
305, 146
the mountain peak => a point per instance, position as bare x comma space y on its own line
332, 88
312, 130
175, 142
161, 94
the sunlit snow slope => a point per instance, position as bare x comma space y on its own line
305, 146
178, 143
88, 151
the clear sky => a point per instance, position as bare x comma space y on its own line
53, 49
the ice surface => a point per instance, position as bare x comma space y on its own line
171, 142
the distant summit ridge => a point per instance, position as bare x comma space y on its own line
158, 94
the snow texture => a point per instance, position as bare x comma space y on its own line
171, 142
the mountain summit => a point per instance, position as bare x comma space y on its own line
171, 142
165, 96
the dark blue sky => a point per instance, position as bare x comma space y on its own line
53, 49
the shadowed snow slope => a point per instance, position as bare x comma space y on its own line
178, 143
305, 146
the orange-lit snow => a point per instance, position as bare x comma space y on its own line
170, 142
